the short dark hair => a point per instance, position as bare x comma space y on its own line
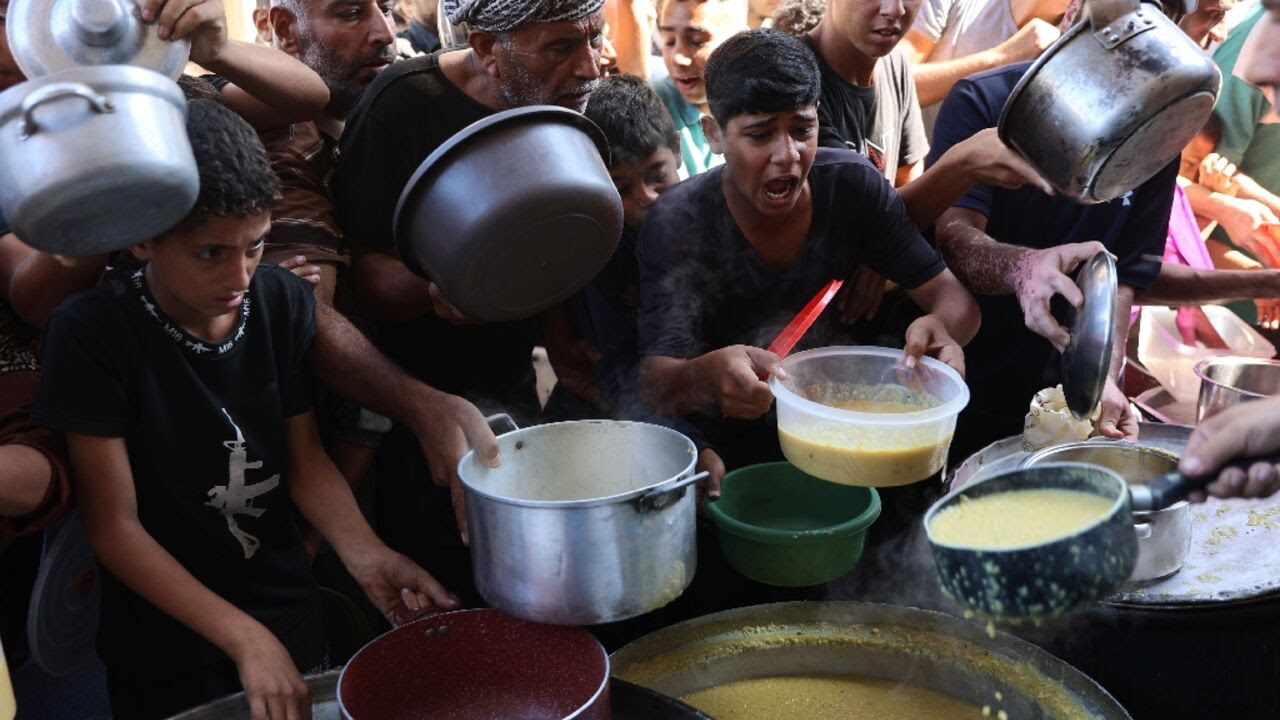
796, 17
236, 179
762, 70
633, 118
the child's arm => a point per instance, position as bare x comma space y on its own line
34, 282
108, 507
952, 321
324, 498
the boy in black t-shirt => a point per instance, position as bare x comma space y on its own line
728, 257
185, 394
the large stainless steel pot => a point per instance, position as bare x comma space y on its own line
626, 701
95, 159
1111, 102
1164, 536
584, 522
324, 702
513, 214
1229, 381
926, 649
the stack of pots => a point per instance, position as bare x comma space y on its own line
94, 153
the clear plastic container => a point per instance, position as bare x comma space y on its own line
855, 415
1172, 362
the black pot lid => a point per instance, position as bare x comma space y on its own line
1087, 359
48, 36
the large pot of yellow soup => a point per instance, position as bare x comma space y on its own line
1035, 541
855, 415
839, 660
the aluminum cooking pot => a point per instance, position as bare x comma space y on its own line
513, 214
927, 649
1113, 101
584, 522
1229, 381
94, 160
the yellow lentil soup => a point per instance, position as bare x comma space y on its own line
1018, 518
827, 697
870, 455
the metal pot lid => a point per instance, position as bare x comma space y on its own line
62, 619
1087, 359
49, 36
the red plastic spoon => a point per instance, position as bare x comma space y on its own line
800, 324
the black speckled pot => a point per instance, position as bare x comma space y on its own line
1050, 578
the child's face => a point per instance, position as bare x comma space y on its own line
199, 273
1195, 151
690, 31
767, 155
640, 183
872, 27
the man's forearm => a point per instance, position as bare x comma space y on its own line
935, 79
930, 194
1120, 340
347, 363
386, 289
672, 386
985, 266
1182, 285
1251, 190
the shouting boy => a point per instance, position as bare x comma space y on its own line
728, 257
185, 394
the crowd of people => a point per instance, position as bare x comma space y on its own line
214, 399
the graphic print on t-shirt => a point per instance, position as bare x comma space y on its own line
236, 497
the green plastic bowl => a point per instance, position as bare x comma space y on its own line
781, 526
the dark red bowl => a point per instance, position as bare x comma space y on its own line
477, 665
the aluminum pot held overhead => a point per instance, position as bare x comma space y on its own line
1113, 101
94, 160
513, 214
584, 522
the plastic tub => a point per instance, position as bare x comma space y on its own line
782, 527
1172, 362
873, 446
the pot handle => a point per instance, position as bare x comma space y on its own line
664, 495
57, 91
1167, 489
501, 423
1104, 12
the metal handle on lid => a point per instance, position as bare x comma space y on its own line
99, 23
98, 103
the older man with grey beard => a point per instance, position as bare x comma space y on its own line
522, 52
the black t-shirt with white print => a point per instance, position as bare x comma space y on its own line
204, 425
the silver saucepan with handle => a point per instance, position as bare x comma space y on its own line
95, 159
1113, 101
584, 522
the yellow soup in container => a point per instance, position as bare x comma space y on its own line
853, 415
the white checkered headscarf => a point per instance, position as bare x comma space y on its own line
505, 15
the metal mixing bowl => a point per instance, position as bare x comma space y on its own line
1228, 381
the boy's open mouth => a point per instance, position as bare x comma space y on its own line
779, 188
